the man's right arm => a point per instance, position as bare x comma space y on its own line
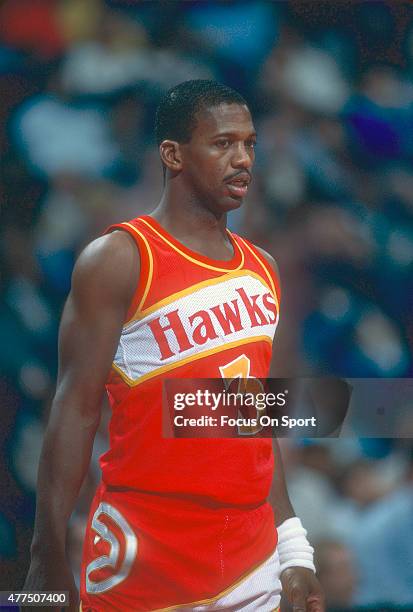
103, 283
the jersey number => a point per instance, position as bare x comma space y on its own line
239, 369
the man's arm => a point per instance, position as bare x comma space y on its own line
103, 283
299, 584
279, 498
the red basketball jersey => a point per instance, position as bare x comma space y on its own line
184, 520
191, 317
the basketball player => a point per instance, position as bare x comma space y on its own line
175, 524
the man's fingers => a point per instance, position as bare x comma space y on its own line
315, 607
315, 604
298, 600
302, 590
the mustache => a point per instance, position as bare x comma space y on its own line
241, 173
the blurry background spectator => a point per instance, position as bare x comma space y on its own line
330, 85
335, 571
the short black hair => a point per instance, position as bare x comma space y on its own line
175, 115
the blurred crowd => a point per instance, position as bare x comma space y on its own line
330, 85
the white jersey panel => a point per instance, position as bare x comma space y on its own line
230, 309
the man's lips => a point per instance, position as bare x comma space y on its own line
238, 185
237, 191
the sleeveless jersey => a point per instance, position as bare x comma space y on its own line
177, 523
191, 317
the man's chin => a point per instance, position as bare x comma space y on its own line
231, 203
225, 205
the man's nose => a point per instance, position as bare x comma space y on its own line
242, 157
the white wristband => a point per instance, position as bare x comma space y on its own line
293, 547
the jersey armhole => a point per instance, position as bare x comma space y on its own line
146, 268
270, 273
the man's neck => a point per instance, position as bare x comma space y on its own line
183, 215
195, 226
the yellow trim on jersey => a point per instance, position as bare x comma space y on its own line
181, 362
192, 259
213, 599
264, 267
150, 271
193, 288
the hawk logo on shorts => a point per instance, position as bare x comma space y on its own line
111, 560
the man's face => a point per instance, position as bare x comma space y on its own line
217, 162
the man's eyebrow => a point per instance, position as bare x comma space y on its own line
233, 133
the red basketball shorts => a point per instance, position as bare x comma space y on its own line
145, 552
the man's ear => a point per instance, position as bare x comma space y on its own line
170, 153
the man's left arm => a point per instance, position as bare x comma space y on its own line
299, 582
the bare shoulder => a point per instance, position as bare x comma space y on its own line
108, 265
269, 258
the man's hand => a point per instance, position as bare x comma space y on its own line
303, 590
52, 575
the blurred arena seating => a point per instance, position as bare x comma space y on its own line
330, 85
